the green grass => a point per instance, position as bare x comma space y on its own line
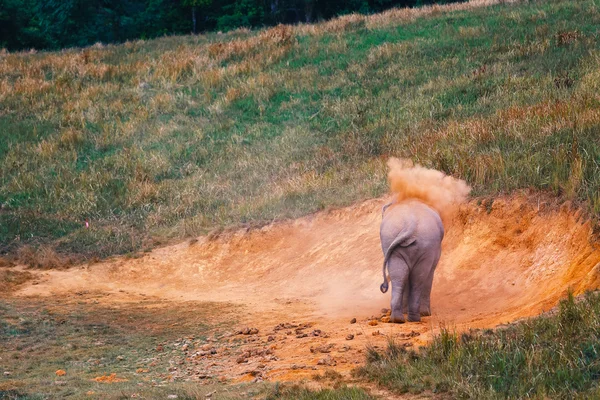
551, 356
159, 140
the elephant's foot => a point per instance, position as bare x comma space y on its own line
425, 312
397, 318
414, 317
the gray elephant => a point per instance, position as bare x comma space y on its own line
411, 238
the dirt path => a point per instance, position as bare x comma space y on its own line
301, 282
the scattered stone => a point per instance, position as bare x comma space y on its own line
344, 349
159, 348
353, 321
120, 358
409, 335
247, 331
7, 373
329, 361
373, 322
61, 372
376, 333
270, 338
172, 396
302, 335
285, 325
385, 319
326, 348
350, 337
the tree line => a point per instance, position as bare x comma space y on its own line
55, 24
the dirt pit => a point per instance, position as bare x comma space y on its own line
299, 284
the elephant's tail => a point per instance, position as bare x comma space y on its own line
405, 238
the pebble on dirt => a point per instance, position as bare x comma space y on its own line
248, 331
373, 322
328, 360
353, 321
350, 337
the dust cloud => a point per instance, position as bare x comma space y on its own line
434, 188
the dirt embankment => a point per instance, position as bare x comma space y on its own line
502, 261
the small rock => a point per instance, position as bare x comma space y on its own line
344, 349
329, 361
326, 348
120, 358
302, 335
159, 348
350, 337
241, 360
61, 372
207, 347
172, 396
270, 338
253, 331
7, 373
353, 321
373, 322
385, 319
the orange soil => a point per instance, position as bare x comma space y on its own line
514, 261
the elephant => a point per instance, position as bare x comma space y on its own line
411, 239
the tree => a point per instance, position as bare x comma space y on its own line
195, 4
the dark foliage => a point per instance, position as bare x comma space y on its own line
54, 24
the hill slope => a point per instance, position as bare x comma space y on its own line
178, 136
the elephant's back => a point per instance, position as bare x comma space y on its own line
425, 221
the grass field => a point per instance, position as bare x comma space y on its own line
552, 356
152, 141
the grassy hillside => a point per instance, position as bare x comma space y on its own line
149, 141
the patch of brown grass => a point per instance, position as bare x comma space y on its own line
11, 279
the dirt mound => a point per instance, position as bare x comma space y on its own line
510, 259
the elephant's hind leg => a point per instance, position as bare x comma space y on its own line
399, 273
420, 286
425, 307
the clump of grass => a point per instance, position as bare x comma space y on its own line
110, 149
554, 355
298, 392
